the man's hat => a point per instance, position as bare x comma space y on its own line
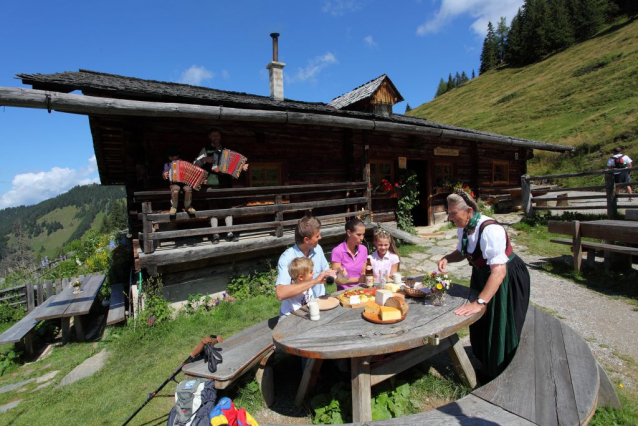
172, 151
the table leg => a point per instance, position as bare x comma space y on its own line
361, 389
461, 362
308, 380
66, 329
79, 330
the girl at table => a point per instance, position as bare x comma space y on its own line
351, 255
385, 258
500, 278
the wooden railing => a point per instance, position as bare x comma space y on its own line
279, 200
610, 196
31, 295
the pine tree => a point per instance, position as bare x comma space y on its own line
441, 89
489, 55
560, 31
514, 51
457, 80
408, 108
587, 16
464, 78
450, 82
501, 39
473, 75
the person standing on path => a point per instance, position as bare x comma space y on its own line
498, 275
621, 161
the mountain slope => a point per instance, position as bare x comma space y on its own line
585, 96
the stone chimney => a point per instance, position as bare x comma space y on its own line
276, 70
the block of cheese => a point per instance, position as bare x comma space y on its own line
388, 314
371, 308
354, 300
392, 287
398, 303
381, 296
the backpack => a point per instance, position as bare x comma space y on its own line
194, 399
619, 162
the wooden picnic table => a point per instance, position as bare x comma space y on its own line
343, 333
68, 304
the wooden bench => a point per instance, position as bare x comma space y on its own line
21, 331
609, 230
248, 349
117, 305
553, 379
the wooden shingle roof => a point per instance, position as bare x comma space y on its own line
364, 91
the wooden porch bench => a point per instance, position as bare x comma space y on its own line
591, 248
553, 379
21, 331
116, 306
248, 349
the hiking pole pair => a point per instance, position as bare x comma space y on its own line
212, 340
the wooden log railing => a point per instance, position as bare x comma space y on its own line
610, 196
277, 207
31, 295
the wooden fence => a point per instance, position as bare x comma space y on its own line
31, 295
533, 203
266, 202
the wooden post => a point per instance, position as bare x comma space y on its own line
40, 288
610, 189
461, 362
308, 379
66, 329
49, 288
265, 379
30, 300
526, 189
577, 248
366, 175
79, 330
361, 389
147, 227
279, 216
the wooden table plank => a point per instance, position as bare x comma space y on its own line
83, 301
513, 389
544, 384
583, 369
57, 308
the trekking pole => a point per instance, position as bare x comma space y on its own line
194, 353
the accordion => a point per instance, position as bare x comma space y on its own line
187, 173
231, 163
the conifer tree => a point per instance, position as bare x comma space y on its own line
441, 89
457, 80
587, 16
473, 75
450, 82
514, 51
408, 108
501, 39
560, 31
464, 78
489, 55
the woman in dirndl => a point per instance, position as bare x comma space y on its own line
500, 278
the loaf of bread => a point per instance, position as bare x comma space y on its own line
371, 308
397, 303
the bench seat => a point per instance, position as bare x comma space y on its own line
553, 379
241, 353
117, 305
22, 329
633, 251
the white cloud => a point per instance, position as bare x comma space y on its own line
31, 188
482, 11
195, 75
314, 67
340, 7
369, 40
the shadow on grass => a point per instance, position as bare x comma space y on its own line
612, 282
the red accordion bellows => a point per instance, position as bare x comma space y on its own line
231, 162
187, 173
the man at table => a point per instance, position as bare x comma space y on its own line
307, 236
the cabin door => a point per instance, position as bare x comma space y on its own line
420, 212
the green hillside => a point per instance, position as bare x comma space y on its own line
585, 96
49, 225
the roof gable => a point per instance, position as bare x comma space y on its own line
365, 91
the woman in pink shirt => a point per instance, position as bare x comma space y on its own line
351, 255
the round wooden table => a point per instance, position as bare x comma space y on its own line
344, 333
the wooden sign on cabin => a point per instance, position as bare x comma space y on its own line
403, 162
446, 152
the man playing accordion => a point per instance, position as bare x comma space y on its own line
214, 159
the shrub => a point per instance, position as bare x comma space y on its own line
156, 308
259, 283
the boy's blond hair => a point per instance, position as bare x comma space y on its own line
299, 267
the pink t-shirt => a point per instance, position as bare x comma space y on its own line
352, 264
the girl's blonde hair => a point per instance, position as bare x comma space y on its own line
298, 267
382, 233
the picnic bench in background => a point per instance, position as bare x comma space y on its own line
612, 231
250, 348
117, 305
553, 379
68, 304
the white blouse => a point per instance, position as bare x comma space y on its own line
493, 242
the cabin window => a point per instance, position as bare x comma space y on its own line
264, 174
500, 172
381, 169
445, 174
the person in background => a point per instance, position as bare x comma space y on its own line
500, 278
385, 258
351, 255
173, 155
620, 161
208, 159
307, 236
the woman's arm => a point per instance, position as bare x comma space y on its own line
497, 275
351, 280
453, 257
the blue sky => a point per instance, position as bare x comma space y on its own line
329, 47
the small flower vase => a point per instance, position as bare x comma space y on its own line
438, 299
76, 289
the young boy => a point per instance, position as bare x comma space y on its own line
300, 271
307, 236
173, 155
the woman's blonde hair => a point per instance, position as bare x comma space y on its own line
382, 233
298, 267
